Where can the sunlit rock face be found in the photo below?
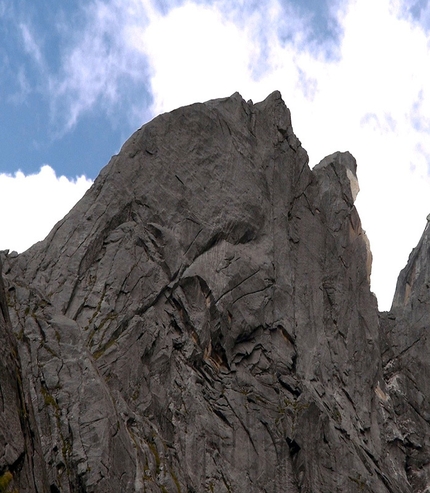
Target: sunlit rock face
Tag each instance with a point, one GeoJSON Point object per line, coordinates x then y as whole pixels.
{"type": "Point", "coordinates": [202, 321]}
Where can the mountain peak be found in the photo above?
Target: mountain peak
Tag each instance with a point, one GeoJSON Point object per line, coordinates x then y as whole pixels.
{"type": "Point", "coordinates": [202, 320]}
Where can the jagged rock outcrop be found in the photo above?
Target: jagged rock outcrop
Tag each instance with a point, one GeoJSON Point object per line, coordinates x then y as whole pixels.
{"type": "Point", "coordinates": [406, 363]}
{"type": "Point", "coordinates": [202, 321]}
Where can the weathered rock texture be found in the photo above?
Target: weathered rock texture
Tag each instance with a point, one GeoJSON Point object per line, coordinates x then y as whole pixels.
{"type": "Point", "coordinates": [21, 465]}
{"type": "Point", "coordinates": [202, 321]}
{"type": "Point", "coordinates": [405, 356]}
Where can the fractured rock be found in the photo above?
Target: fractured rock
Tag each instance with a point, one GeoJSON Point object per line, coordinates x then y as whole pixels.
{"type": "Point", "coordinates": [202, 320]}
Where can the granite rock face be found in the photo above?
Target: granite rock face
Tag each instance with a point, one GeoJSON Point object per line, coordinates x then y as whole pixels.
{"type": "Point", "coordinates": [202, 321]}
{"type": "Point", "coordinates": [406, 363]}
{"type": "Point", "coordinates": [21, 467]}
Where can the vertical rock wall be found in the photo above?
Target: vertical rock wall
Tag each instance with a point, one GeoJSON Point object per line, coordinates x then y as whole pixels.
{"type": "Point", "coordinates": [407, 367]}
{"type": "Point", "coordinates": [21, 468]}
{"type": "Point", "coordinates": [202, 321]}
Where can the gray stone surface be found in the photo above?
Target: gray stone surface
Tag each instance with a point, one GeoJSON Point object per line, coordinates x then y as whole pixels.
{"type": "Point", "coordinates": [407, 366]}
{"type": "Point", "coordinates": [21, 467]}
{"type": "Point", "coordinates": [202, 321]}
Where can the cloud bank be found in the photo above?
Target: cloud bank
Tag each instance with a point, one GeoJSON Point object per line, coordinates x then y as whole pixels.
{"type": "Point", "coordinates": [32, 204]}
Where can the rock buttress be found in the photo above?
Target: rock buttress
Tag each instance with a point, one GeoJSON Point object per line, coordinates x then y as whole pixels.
{"type": "Point", "coordinates": [202, 319]}
{"type": "Point", "coordinates": [406, 347]}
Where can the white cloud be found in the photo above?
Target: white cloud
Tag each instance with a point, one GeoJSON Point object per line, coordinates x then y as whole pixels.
{"type": "Point", "coordinates": [197, 51]}
{"type": "Point", "coordinates": [32, 204]}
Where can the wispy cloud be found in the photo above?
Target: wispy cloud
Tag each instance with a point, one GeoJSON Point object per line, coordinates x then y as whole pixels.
{"type": "Point", "coordinates": [30, 45]}
{"type": "Point", "coordinates": [106, 52]}
{"type": "Point", "coordinates": [99, 67]}
{"type": "Point", "coordinates": [118, 51]}
{"type": "Point", "coordinates": [22, 88]}
{"type": "Point", "coordinates": [416, 10]}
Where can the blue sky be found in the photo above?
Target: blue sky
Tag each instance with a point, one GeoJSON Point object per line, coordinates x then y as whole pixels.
{"type": "Point", "coordinates": [78, 77]}
{"type": "Point", "coordinates": [50, 114]}
{"type": "Point", "coordinates": [37, 41]}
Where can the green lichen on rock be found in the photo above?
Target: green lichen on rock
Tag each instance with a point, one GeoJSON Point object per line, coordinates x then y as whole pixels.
{"type": "Point", "coordinates": [5, 481]}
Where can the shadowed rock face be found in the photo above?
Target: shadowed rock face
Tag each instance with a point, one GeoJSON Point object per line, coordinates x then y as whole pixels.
{"type": "Point", "coordinates": [21, 467]}
{"type": "Point", "coordinates": [405, 357]}
{"type": "Point", "coordinates": [202, 321]}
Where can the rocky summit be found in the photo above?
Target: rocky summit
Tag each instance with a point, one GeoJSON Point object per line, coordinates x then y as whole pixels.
{"type": "Point", "coordinates": [202, 321]}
